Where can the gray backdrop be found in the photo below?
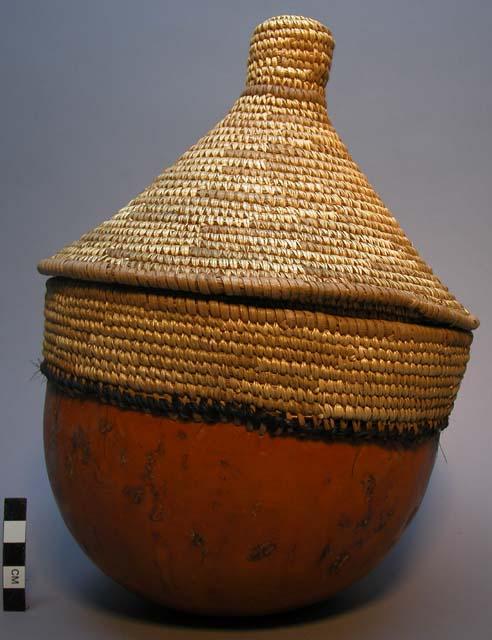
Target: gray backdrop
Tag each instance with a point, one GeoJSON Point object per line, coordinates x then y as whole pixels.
{"type": "Point", "coordinates": [96, 98]}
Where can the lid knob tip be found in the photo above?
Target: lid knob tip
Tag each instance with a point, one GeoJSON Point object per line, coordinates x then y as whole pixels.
{"type": "Point", "coordinates": [291, 51]}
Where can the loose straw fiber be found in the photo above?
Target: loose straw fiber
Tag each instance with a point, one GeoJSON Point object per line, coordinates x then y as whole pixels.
{"type": "Point", "coordinates": [261, 279]}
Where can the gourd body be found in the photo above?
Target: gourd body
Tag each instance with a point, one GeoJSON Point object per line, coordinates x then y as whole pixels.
{"type": "Point", "coordinates": [215, 519]}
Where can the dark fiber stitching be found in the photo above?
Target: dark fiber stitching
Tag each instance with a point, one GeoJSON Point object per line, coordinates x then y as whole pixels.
{"type": "Point", "coordinates": [211, 412]}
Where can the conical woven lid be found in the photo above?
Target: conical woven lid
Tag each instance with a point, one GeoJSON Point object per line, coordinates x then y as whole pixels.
{"type": "Point", "coordinates": [269, 204]}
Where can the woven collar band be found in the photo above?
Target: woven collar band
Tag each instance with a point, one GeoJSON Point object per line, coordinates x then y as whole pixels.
{"type": "Point", "coordinates": [269, 204]}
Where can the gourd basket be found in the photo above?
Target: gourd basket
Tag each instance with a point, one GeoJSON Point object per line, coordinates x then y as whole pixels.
{"type": "Point", "coordinates": [249, 365]}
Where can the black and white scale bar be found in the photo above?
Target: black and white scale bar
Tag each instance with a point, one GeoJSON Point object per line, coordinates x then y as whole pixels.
{"type": "Point", "coordinates": [14, 554]}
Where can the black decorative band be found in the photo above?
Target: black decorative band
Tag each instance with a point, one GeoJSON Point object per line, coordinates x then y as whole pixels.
{"type": "Point", "coordinates": [210, 411]}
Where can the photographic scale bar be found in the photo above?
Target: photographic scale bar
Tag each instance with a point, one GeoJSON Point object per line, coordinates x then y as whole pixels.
{"type": "Point", "coordinates": [14, 554]}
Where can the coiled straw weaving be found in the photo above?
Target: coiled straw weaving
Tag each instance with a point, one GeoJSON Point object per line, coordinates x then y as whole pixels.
{"type": "Point", "coordinates": [261, 279]}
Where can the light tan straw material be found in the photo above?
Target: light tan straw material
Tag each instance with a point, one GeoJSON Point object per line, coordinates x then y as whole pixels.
{"type": "Point", "coordinates": [260, 279]}
{"type": "Point", "coordinates": [269, 204]}
{"type": "Point", "coordinates": [307, 367]}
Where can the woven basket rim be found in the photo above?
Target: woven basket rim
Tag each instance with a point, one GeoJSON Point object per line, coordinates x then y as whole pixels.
{"type": "Point", "coordinates": [280, 289]}
{"type": "Point", "coordinates": [276, 366]}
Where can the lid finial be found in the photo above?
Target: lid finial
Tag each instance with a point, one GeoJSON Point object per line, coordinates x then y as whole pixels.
{"type": "Point", "coordinates": [291, 52]}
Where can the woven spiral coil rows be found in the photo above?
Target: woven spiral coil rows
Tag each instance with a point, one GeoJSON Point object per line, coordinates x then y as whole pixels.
{"type": "Point", "coordinates": [261, 279]}
{"type": "Point", "coordinates": [268, 204]}
{"type": "Point", "coordinates": [307, 368]}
